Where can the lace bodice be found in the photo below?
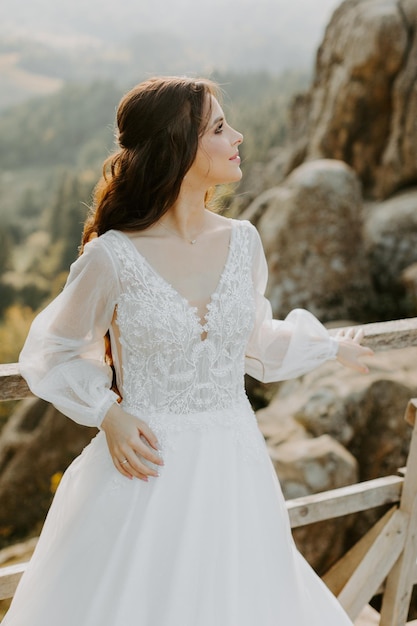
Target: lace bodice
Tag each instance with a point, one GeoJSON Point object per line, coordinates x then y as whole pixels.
{"type": "Point", "coordinates": [162, 362]}
{"type": "Point", "coordinates": [167, 366]}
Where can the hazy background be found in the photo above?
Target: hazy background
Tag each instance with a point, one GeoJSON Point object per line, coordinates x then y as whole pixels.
{"type": "Point", "coordinates": [45, 42]}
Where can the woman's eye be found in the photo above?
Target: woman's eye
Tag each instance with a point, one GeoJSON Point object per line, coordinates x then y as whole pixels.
{"type": "Point", "coordinates": [219, 128]}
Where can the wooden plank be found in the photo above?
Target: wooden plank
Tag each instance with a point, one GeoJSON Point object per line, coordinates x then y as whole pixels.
{"type": "Point", "coordinates": [345, 500]}
{"type": "Point", "coordinates": [12, 385]}
{"type": "Point", "coordinates": [339, 574]}
{"type": "Point", "coordinates": [373, 569]}
{"type": "Point", "coordinates": [368, 617]}
{"type": "Point", "coordinates": [390, 335]}
{"type": "Point", "coordinates": [379, 336]}
{"type": "Point", "coordinates": [9, 578]}
{"type": "Point", "coordinates": [394, 334]}
{"type": "Point", "coordinates": [399, 585]}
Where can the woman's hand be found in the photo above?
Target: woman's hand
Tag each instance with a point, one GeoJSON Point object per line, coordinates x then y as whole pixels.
{"type": "Point", "coordinates": [128, 438]}
{"type": "Point", "coordinates": [350, 350]}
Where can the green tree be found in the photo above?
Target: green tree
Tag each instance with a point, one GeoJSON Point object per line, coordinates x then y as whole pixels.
{"type": "Point", "coordinates": [51, 130]}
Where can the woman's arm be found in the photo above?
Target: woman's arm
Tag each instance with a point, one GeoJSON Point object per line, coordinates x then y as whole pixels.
{"type": "Point", "coordinates": [283, 349]}
{"type": "Point", "coordinates": [63, 361]}
{"type": "Point", "coordinates": [63, 356]}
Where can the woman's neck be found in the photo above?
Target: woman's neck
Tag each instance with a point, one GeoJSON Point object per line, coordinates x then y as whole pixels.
{"type": "Point", "coordinates": [188, 215]}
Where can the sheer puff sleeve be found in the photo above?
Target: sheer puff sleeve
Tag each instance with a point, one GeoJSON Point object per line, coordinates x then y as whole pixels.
{"type": "Point", "coordinates": [282, 349]}
{"type": "Point", "coordinates": [63, 356]}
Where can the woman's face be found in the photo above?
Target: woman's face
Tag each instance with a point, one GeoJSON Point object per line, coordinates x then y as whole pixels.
{"type": "Point", "coordinates": [217, 160]}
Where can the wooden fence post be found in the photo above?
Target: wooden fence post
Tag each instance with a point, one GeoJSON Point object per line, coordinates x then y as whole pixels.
{"type": "Point", "coordinates": [399, 584]}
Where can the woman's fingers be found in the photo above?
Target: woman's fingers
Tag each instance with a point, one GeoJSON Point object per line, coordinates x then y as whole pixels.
{"type": "Point", "coordinates": [142, 448]}
{"type": "Point", "coordinates": [358, 334]}
{"type": "Point", "coordinates": [350, 352]}
{"type": "Point", "coordinates": [367, 351]}
{"type": "Point", "coordinates": [131, 465]}
{"type": "Point", "coordinates": [149, 435]}
{"type": "Point", "coordinates": [130, 460]}
{"type": "Point", "coordinates": [354, 333]}
{"type": "Point", "coordinates": [136, 451]}
{"type": "Point", "coordinates": [125, 469]}
{"type": "Point", "coordinates": [137, 468]}
{"type": "Point", "coordinates": [131, 444]}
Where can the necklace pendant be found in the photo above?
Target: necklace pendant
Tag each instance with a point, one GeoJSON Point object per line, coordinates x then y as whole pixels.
{"type": "Point", "coordinates": [193, 241]}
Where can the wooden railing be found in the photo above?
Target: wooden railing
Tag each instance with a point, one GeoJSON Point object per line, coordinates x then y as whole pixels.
{"type": "Point", "coordinates": [384, 560]}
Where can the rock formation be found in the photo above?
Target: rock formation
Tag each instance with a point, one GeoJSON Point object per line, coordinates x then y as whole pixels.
{"type": "Point", "coordinates": [390, 241]}
{"type": "Point", "coordinates": [360, 111]}
{"type": "Point", "coordinates": [334, 427]}
{"type": "Point", "coordinates": [362, 106]}
{"type": "Point", "coordinates": [36, 446]}
{"type": "Point", "coordinates": [363, 413]}
{"type": "Point", "coordinates": [311, 227]}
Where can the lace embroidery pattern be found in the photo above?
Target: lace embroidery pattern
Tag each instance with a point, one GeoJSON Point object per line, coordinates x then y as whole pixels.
{"type": "Point", "coordinates": [167, 367]}
{"type": "Point", "coordinates": [240, 421]}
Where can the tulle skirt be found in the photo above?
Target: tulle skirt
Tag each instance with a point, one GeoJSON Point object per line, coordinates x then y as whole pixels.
{"type": "Point", "coordinates": [207, 543]}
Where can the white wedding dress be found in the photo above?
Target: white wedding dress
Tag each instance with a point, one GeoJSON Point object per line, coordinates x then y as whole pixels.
{"type": "Point", "coordinates": [208, 542]}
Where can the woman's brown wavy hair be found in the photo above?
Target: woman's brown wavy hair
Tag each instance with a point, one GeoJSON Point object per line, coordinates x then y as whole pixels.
{"type": "Point", "coordinates": [159, 122]}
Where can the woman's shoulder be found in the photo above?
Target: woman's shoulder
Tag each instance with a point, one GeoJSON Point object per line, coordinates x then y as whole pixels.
{"type": "Point", "coordinates": [247, 230]}
{"type": "Point", "coordinates": [232, 222]}
{"type": "Point", "coordinates": [100, 251]}
{"type": "Point", "coordinates": [247, 226]}
{"type": "Point", "coordinates": [243, 232]}
{"type": "Point", "coordinates": [106, 243]}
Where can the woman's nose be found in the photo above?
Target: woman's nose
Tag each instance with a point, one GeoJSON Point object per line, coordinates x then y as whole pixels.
{"type": "Point", "coordinates": [239, 139]}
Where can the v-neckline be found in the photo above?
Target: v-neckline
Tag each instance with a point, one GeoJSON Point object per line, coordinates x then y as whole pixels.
{"type": "Point", "coordinates": [194, 309]}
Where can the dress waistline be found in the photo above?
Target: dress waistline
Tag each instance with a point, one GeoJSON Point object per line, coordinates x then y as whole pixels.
{"type": "Point", "coordinates": [239, 410]}
{"type": "Point", "coordinates": [238, 420]}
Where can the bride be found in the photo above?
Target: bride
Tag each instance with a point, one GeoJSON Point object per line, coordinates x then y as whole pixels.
{"type": "Point", "coordinates": [173, 514]}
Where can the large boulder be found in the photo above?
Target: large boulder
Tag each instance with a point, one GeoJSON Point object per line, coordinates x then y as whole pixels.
{"type": "Point", "coordinates": [311, 228]}
{"type": "Point", "coordinates": [362, 105]}
{"type": "Point", "coordinates": [390, 239]}
{"type": "Point", "coordinates": [313, 465]}
{"type": "Point", "coordinates": [310, 466]}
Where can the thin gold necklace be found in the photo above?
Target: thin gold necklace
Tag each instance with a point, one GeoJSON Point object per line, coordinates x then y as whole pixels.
{"type": "Point", "coordinates": [171, 230]}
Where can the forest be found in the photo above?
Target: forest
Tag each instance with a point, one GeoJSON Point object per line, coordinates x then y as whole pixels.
{"type": "Point", "coordinates": [51, 153]}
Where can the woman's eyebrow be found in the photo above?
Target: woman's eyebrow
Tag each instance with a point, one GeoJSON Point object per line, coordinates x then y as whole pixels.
{"type": "Point", "coordinates": [217, 120]}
